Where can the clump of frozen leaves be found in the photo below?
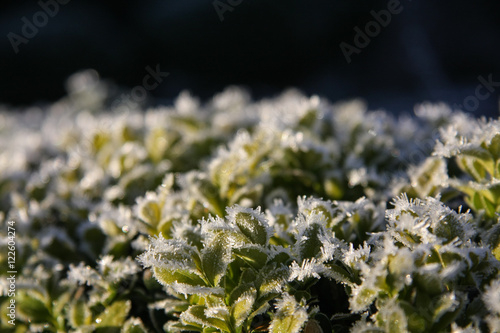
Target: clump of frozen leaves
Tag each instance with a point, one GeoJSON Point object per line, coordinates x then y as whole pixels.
{"type": "Point", "coordinates": [465, 163]}
{"type": "Point", "coordinates": [92, 185]}
{"type": "Point", "coordinates": [424, 272]}
{"type": "Point", "coordinates": [227, 274]}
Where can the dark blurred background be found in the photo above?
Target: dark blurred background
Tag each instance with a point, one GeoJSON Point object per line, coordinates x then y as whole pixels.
{"type": "Point", "coordinates": [430, 50]}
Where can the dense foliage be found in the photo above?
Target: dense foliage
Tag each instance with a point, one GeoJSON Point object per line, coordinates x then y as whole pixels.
{"type": "Point", "coordinates": [284, 215]}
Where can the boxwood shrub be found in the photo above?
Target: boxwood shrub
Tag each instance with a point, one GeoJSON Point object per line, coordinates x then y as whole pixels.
{"type": "Point", "coordinates": [289, 214]}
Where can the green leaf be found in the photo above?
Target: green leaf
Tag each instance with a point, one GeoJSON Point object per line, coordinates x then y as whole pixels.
{"type": "Point", "coordinates": [253, 256]}
{"type": "Point", "coordinates": [445, 303]}
{"type": "Point", "coordinates": [449, 228]}
{"type": "Point", "coordinates": [169, 276]}
{"type": "Point", "coordinates": [281, 258]}
{"type": "Point", "coordinates": [289, 317]}
{"type": "Point", "coordinates": [248, 275]}
{"type": "Point", "coordinates": [392, 318]}
{"type": "Point", "coordinates": [114, 315]}
{"type": "Point", "coordinates": [134, 325]}
{"type": "Point", "coordinates": [184, 327]}
{"type": "Point", "coordinates": [481, 170]}
{"type": "Point", "coordinates": [340, 274]}
{"type": "Point", "coordinates": [32, 307]}
{"type": "Point", "coordinates": [309, 118]}
{"type": "Point", "coordinates": [477, 203]}
{"type": "Point", "coordinates": [333, 188]}
{"type": "Point", "coordinates": [491, 208]}
{"type": "Point", "coordinates": [310, 244]}
{"type": "Point", "coordinates": [494, 241]}
{"type": "Point", "coordinates": [477, 152]}
{"type": "Point", "coordinates": [242, 307]}
{"type": "Point", "coordinates": [60, 303]}
{"type": "Point", "coordinates": [215, 258]}
{"type": "Point", "coordinates": [431, 284]}
{"type": "Point", "coordinates": [494, 147]}
{"type": "Point", "coordinates": [79, 314]}
{"type": "Point", "coordinates": [195, 316]}
{"type": "Point", "coordinates": [210, 194]}
{"type": "Point", "coordinates": [362, 299]}
{"type": "Point", "coordinates": [446, 310]}
{"type": "Point", "coordinates": [150, 212]}
{"type": "Point", "coordinates": [238, 291]}
{"type": "Point", "coordinates": [271, 279]}
{"type": "Point", "coordinates": [252, 227]}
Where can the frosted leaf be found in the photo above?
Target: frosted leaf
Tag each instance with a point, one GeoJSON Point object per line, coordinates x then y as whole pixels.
{"type": "Point", "coordinates": [195, 314]}
{"type": "Point", "coordinates": [358, 219]}
{"type": "Point", "coordinates": [358, 176]}
{"type": "Point", "coordinates": [311, 233]}
{"type": "Point", "coordinates": [364, 326]}
{"type": "Point", "coordinates": [169, 254]}
{"type": "Point", "coordinates": [471, 328]}
{"type": "Point", "coordinates": [169, 305]}
{"type": "Point", "coordinates": [217, 311]}
{"type": "Point", "coordinates": [215, 256]}
{"type": "Point", "coordinates": [185, 230]}
{"type": "Point", "coordinates": [311, 205]}
{"type": "Point", "coordinates": [427, 221]}
{"type": "Point", "coordinates": [491, 297]}
{"type": "Point", "coordinates": [243, 306]}
{"type": "Point", "coordinates": [286, 110]}
{"type": "Point", "coordinates": [290, 316]}
{"type": "Point", "coordinates": [308, 268]}
{"type": "Point", "coordinates": [402, 263]}
{"type": "Point", "coordinates": [493, 323]}
{"type": "Point", "coordinates": [430, 270]}
{"type": "Point", "coordinates": [428, 177]}
{"type": "Point", "coordinates": [278, 207]}
{"type": "Point", "coordinates": [362, 297]}
{"type": "Point", "coordinates": [251, 222]}
{"type": "Point", "coordinates": [231, 109]}
{"type": "Point", "coordinates": [469, 139]}
{"type": "Point", "coordinates": [351, 257]}
{"type": "Point", "coordinates": [230, 99]}
{"type": "Point", "coordinates": [445, 304]}
{"type": "Point", "coordinates": [272, 279]}
{"type": "Point", "coordinates": [213, 225]}
{"type": "Point", "coordinates": [114, 221]}
{"type": "Point", "coordinates": [391, 317]}
{"type": "Point", "coordinates": [435, 113]}
{"type": "Point", "coordinates": [133, 325]}
{"type": "Point", "coordinates": [116, 270]}
{"type": "Point", "coordinates": [188, 289]}
{"type": "Point", "coordinates": [186, 104]}
{"type": "Point", "coordinates": [453, 271]}
{"type": "Point", "coordinates": [302, 142]}
{"type": "Point", "coordinates": [141, 243]}
{"type": "Point", "coordinates": [82, 274]}
{"type": "Point", "coordinates": [330, 248]}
